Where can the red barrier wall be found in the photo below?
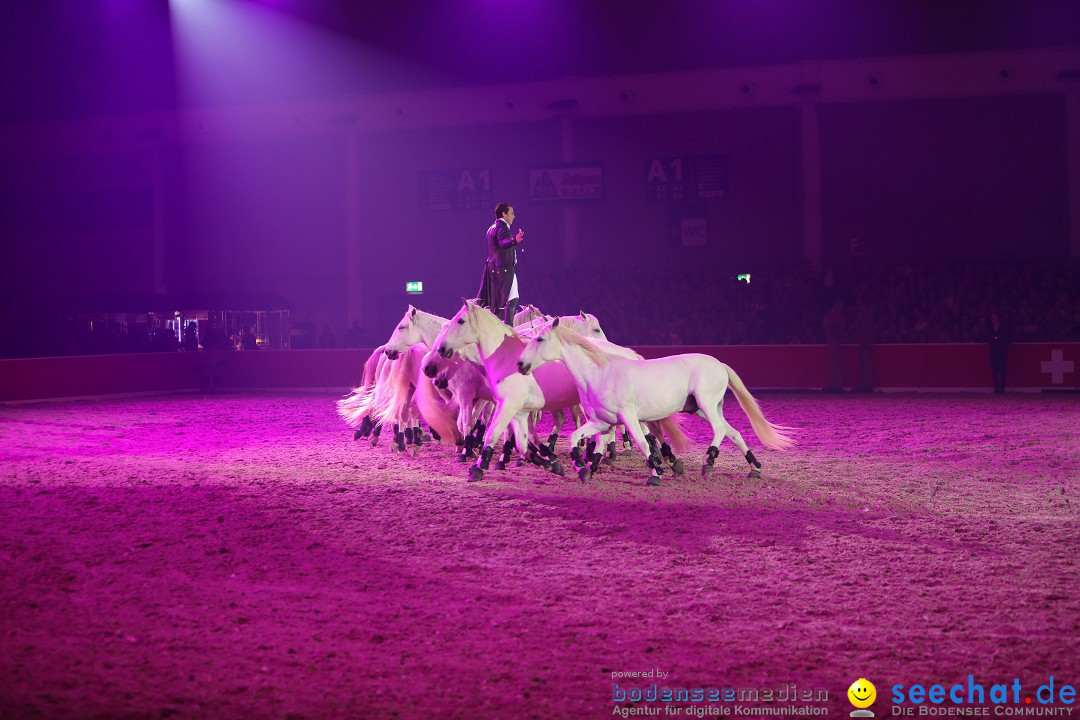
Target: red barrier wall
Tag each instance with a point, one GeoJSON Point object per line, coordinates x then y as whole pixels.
{"type": "Point", "coordinates": [894, 367]}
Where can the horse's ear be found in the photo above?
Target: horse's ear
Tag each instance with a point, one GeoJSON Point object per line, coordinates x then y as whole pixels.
{"type": "Point", "coordinates": [412, 311]}
{"type": "Point", "coordinates": [584, 316]}
{"type": "Point", "coordinates": [555, 323]}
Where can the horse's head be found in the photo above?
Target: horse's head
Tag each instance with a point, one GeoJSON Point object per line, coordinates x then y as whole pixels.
{"type": "Point", "coordinates": [405, 335]}
{"type": "Point", "coordinates": [543, 347]}
{"type": "Point", "coordinates": [431, 363]}
{"type": "Point", "coordinates": [592, 327]}
{"type": "Point", "coordinates": [459, 331]}
{"type": "Point", "coordinates": [527, 314]}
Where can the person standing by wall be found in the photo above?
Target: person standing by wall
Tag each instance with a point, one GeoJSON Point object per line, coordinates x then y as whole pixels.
{"type": "Point", "coordinates": [499, 287]}
{"type": "Point", "coordinates": [998, 340]}
{"type": "Point", "coordinates": [834, 324]}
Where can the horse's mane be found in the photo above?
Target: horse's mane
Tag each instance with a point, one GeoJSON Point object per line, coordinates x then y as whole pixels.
{"type": "Point", "coordinates": [569, 337]}
{"type": "Point", "coordinates": [432, 316]}
{"type": "Point", "coordinates": [491, 318]}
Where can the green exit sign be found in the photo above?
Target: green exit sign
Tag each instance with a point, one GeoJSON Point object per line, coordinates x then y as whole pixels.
{"type": "Point", "coordinates": [414, 288]}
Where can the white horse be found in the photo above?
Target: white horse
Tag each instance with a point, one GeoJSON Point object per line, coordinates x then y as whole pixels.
{"type": "Point", "coordinates": [527, 314]}
{"type": "Point", "coordinates": [358, 406]}
{"type": "Point", "coordinates": [583, 323]}
{"type": "Point", "coordinates": [615, 389]}
{"type": "Point", "coordinates": [464, 377]}
{"type": "Point", "coordinates": [397, 392]}
{"type": "Point", "coordinates": [515, 395]}
{"type": "Point", "coordinates": [469, 353]}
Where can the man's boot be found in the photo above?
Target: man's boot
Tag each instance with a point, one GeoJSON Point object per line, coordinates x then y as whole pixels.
{"type": "Point", "coordinates": [511, 311]}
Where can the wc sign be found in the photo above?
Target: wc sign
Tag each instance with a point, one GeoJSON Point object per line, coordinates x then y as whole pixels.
{"type": "Point", "coordinates": [694, 231]}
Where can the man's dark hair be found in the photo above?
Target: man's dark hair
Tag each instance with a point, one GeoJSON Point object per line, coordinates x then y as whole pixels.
{"type": "Point", "coordinates": [501, 209]}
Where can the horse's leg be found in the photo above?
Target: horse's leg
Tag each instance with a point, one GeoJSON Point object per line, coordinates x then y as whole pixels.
{"type": "Point", "coordinates": [579, 453]}
{"type": "Point", "coordinates": [473, 438]}
{"type": "Point", "coordinates": [665, 449]}
{"type": "Point", "coordinates": [654, 462]}
{"type": "Point", "coordinates": [466, 411]}
{"type": "Point", "coordinates": [534, 452]}
{"type": "Point", "coordinates": [558, 418]}
{"type": "Point", "coordinates": [737, 438]}
{"type": "Point", "coordinates": [609, 446]}
{"type": "Point", "coordinates": [418, 436]}
{"type": "Point", "coordinates": [507, 447]}
{"type": "Point", "coordinates": [714, 413]}
{"type": "Point", "coordinates": [504, 411]}
{"type": "Point", "coordinates": [654, 443]}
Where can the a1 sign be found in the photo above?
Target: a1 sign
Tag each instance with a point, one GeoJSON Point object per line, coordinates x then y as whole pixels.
{"type": "Point", "coordinates": [468, 189]}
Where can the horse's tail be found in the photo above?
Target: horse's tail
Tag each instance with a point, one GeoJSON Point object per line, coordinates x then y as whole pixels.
{"type": "Point", "coordinates": [435, 412]}
{"type": "Point", "coordinates": [672, 427]}
{"type": "Point", "coordinates": [371, 366]}
{"type": "Point", "coordinates": [396, 391]}
{"type": "Point", "coordinates": [353, 407]}
{"type": "Point", "coordinates": [772, 436]}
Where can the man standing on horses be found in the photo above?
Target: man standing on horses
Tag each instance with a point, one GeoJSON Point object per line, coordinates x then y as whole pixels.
{"type": "Point", "coordinates": [499, 288]}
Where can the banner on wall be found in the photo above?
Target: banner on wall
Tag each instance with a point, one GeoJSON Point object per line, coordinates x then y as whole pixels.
{"type": "Point", "coordinates": [566, 183]}
{"type": "Point", "coordinates": [698, 177]}
{"type": "Point", "coordinates": [456, 190]}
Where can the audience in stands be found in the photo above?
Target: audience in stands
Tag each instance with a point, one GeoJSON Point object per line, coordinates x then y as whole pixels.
{"type": "Point", "coordinates": [882, 302]}
{"type": "Point", "coordinates": [876, 302]}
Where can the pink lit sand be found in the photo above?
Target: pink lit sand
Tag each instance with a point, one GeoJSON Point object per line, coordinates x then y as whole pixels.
{"type": "Point", "coordinates": [240, 556]}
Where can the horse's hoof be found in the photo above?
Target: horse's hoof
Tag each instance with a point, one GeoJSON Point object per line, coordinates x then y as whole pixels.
{"type": "Point", "coordinates": [460, 458]}
{"type": "Point", "coordinates": [754, 473]}
{"type": "Point", "coordinates": [678, 468]}
{"type": "Point", "coordinates": [357, 435]}
{"type": "Point", "coordinates": [414, 449]}
{"type": "Point", "coordinates": [520, 462]}
{"type": "Point", "coordinates": [585, 474]}
{"type": "Point", "coordinates": [653, 481]}
{"type": "Point", "coordinates": [707, 470]}
{"type": "Point", "coordinates": [374, 440]}
{"type": "Point", "coordinates": [430, 438]}
{"type": "Point", "coordinates": [475, 474]}
{"type": "Point", "coordinates": [557, 468]}
{"type": "Point", "coordinates": [608, 460]}
{"type": "Point", "coordinates": [500, 465]}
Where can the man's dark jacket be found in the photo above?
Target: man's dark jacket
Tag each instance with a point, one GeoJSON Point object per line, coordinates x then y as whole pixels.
{"type": "Point", "coordinates": [500, 267]}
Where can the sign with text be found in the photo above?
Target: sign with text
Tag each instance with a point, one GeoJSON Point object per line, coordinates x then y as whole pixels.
{"type": "Point", "coordinates": [566, 183]}
{"type": "Point", "coordinates": [456, 190]}
{"type": "Point", "coordinates": [700, 177]}
{"type": "Point", "coordinates": [688, 224]}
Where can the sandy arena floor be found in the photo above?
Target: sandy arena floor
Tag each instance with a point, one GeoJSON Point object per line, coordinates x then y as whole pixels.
{"type": "Point", "coordinates": [240, 556]}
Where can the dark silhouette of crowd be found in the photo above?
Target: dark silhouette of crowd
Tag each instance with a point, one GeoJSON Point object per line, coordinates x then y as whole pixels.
{"type": "Point", "coordinates": [863, 302]}
{"type": "Point", "coordinates": [858, 303]}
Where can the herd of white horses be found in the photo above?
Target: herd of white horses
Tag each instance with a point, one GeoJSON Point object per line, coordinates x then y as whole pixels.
{"type": "Point", "coordinates": [474, 380]}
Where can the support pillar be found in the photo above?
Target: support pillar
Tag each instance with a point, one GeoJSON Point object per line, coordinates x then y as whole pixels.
{"type": "Point", "coordinates": [811, 186]}
{"type": "Point", "coordinates": [570, 211]}
{"type": "Point", "coordinates": [1072, 121]}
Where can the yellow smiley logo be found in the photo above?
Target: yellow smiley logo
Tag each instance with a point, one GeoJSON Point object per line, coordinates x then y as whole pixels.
{"type": "Point", "coordinates": [862, 693]}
